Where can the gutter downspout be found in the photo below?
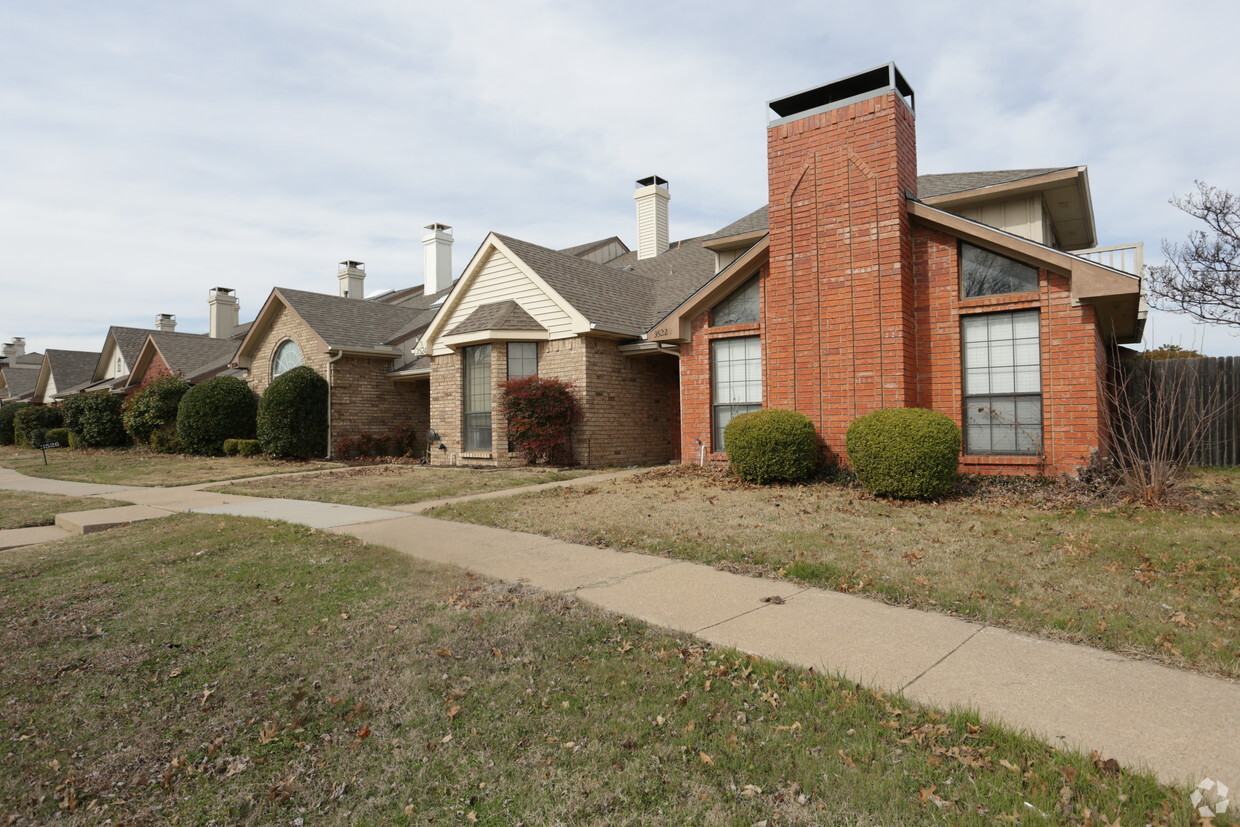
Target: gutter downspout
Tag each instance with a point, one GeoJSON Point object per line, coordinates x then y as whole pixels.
{"type": "Point", "coordinates": [339, 354]}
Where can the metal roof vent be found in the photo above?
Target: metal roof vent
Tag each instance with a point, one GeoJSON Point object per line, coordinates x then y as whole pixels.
{"type": "Point", "coordinates": [842, 92]}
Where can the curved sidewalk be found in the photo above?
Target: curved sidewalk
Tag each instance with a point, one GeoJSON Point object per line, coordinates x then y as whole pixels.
{"type": "Point", "coordinates": [1181, 725]}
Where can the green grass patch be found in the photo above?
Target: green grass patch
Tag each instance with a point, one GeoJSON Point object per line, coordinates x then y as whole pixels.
{"type": "Point", "coordinates": [133, 466]}
{"type": "Point", "coordinates": [1021, 554]}
{"type": "Point", "coordinates": [25, 509]}
{"type": "Point", "coordinates": [386, 485]}
{"type": "Point", "coordinates": [210, 669]}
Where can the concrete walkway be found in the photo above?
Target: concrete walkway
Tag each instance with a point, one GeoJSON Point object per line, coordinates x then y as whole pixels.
{"type": "Point", "coordinates": [1181, 725]}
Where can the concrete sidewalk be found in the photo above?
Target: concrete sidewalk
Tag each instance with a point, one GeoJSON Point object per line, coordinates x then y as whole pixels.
{"type": "Point", "coordinates": [1180, 725]}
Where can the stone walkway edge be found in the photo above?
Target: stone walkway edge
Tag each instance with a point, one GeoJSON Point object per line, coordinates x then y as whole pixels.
{"type": "Point", "coordinates": [1180, 725]}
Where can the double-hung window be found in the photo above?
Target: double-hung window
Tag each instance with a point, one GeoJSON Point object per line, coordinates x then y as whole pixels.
{"type": "Point", "coordinates": [735, 381]}
{"type": "Point", "coordinates": [476, 397]}
{"type": "Point", "coordinates": [1002, 383]}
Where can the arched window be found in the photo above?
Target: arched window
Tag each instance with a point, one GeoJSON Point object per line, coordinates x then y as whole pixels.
{"type": "Point", "coordinates": [288, 356]}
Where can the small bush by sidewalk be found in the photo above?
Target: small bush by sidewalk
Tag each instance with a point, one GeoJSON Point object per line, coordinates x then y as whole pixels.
{"type": "Point", "coordinates": [905, 453]}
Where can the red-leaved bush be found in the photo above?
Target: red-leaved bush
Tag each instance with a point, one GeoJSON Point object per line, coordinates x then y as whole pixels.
{"type": "Point", "coordinates": [540, 416]}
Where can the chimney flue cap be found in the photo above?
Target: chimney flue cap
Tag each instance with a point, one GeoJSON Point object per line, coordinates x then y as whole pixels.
{"type": "Point", "coordinates": [438, 228]}
{"type": "Point", "coordinates": [652, 181]}
{"type": "Point", "coordinates": [345, 266]}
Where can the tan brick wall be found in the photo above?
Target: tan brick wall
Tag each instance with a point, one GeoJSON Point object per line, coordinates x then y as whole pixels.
{"type": "Point", "coordinates": [630, 406]}
{"type": "Point", "coordinates": [286, 326]}
{"type": "Point", "coordinates": [364, 399]}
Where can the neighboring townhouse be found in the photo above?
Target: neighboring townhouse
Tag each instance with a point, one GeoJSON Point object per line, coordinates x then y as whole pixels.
{"type": "Point", "coordinates": [363, 347]}
{"type": "Point", "coordinates": [19, 371]}
{"type": "Point", "coordinates": [192, 356]}
{"type": "Point", "coordinates": [859, 286]}
{"type": "Point", "coordinates": [120, 351]}
{"type": "Point", "coordinates": [62, 369]}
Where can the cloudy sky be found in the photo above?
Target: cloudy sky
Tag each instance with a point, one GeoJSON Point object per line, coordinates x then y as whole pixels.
{"type": "Point", "coordinates": [152, 150]}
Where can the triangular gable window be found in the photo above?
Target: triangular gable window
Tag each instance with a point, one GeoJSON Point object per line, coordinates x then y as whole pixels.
{"type": "Point", "coordinates": [741, 307]}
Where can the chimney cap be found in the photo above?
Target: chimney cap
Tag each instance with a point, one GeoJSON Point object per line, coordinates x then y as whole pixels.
{"type": "Point", "coordinates": [352, 265]}
{"type": "Point", "coordinates": [222, 290]}
{"type": "Point", "coordinates": [165, 316]}
{"type": "Point", "coordinates": [438, 227]}
{"type": "Point", "coordinates": [653, 181]}
{"type": "Point", "coordinates": [842, 92]}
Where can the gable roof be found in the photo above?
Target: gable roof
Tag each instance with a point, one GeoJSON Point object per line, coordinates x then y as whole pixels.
{"type": "Point", "coordinates": [20, 382]}
{"type": "Point", "coordinates": [66, 368]}
{"type": "Point", "coordinates": [128, 340]}
{"type": "Point", "coordinates": [189, 354]}
{"type": "Point", "coordinates": [503, 315]}
{"type": "Point", "coordinates": [339, 323]}
{"type": "Point", "coordinates": [613, 299]}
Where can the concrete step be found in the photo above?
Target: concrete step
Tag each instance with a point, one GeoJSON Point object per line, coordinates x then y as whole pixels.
{"type": "Point", "coordinates": [101, 519]}
{"type": "Point", "coordinates": [18, 537]}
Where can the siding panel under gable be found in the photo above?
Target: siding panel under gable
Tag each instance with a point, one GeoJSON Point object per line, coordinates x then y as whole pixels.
{"type": "Point", "coordinates": [1019, 216]}
{"type": "Point", "coordinates": [500, 279]}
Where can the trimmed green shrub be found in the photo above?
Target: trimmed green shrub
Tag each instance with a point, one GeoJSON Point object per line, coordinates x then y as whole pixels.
{"type": "Point", "coordinates": [7, 412]}
{"type": "Point", "coordinates": [771, 445]}
{"type": "Point", "coordinates": [540, 416]}
{"type": "Point", "coordinates": [905, 453]}
{"type": "Point", "coordinates": [61, 436]}
{"type": "Point", "coordinates": [220, 408]}
{"type": "Point", "coordinates": [292, 415]}
{"type": "Point", "coordinates": [230, 447]}
{"type": "Point", "coordinates": [75, 444]}
{"type": "Point", "coordinates": [35, 418]}
{"type": "Point", "coordinates": [249, 447]}
{"type": "Point", "coordinates": [95, 418]}
{"type": "Point", "coordinates": [152, 408]}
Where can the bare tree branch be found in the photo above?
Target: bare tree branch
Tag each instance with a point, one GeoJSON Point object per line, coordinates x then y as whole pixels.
{"type": "Point", "coordinates": [1202, 275]}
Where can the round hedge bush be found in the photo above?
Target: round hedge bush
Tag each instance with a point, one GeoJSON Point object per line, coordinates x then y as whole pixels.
{"type": "Point", "coordinates": [292, 415]}
{"type": "Point", "coordinates": [220, 408]}
{"type": "Point", "coordinates": [771, 446]}
{"type": "Point", "coordinates": [7, 413]}
{"type": "Point", "coordinates": [95, 418]}
{"type": "Point", "coordinates": [905, 453]}
{"type": "Point", "coordinates": [153, 408]}
{"type": "Point", "coordinates": [35, 418]}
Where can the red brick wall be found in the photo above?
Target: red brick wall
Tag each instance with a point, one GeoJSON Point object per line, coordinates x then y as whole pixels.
{"type": "Point", "coordinates": [156, 369]}
{"type": "Point", "coordinates": [1072, 354]}
{"type": "Point", "coordinates": [695, 373]}
{"type": "Point", "coordinates": [838, 337]}
{"type": "Point", "coordinates": [862, 310]}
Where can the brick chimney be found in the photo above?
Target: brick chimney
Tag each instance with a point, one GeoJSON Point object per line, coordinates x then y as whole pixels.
{"type": "Point", "coordinates": [838, 300]}
{"type": "Point", "coordinates": [352, 276]}
{"type": "Point", "coordinates": [652, 195]}
{"type": "Point", "coordinates": [166, 323]}
{"type": "Point", "coordinates": [437, 258]}
{"type": "Point", "coordinates": [224, 312]}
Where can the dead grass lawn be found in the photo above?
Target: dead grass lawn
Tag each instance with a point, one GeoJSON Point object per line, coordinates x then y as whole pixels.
{"type": "Point", "coordinates": [1164, 584]}
{"type": "Point", "coordinates": [23, 509]}
{"type": "Point", "coordinates": [124, 466]}
{"type": "Point", "coordinates": [386, 485]}
{"type": "Point", "coordinates": [204, 669]}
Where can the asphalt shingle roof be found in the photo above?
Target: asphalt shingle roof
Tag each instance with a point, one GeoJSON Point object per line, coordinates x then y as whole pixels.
{"type": "Point", "coordinates": [129, 340]}
{"type": "Point", "coordinates": [20, 381]}
{"type": "Point", "coordinates": [349, 323]}
{"type": "Point", "coordinates": [932, 186]}
{"type": "Point", "coordinates": [71, 367]}
{"type": "Point", "coordinates": [504, 315]}
{"type": "Point", "coordinates": [190, 354]}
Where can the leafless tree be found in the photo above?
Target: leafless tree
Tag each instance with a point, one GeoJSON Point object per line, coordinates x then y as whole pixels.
{"type": "Point", "coordinates": [1202, 275]}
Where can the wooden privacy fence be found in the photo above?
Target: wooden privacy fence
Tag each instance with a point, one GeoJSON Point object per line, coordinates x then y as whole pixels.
{"type": "Point", "coordinates": [1186, 401]}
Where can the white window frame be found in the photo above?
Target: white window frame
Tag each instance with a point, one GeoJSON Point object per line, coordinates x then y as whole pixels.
{"type": "Point", "coordinates": [735, 381]}
{"type": "Point", "coordinates": [1001, 380]}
